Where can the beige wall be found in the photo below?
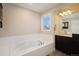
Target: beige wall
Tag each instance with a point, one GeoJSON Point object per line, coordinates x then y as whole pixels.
{"type": "Point", "coordinates": [19, 21]}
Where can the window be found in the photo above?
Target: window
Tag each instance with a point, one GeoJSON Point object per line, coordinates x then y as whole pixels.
{"type": "Point", "coordinates": [46, 23]}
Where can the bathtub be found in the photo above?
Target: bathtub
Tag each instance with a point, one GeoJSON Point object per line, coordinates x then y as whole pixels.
{"type": "Point", "coordinates": [27, 45]}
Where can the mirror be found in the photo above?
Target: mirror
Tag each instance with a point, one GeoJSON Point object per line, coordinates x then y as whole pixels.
{"type": "Point", "coordinates": [73, 22]}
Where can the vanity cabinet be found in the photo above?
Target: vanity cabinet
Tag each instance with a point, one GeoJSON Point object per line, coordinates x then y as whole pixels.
{"type": "Point", "coordinates": [68, 45]}
{"type": "Point", "coordinates": [75, 44]}
{"type": "Point", "coordinates": [63, 43]}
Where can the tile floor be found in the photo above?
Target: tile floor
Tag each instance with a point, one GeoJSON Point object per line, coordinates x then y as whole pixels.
{"type": "Point", "coordinates": [57, 53]}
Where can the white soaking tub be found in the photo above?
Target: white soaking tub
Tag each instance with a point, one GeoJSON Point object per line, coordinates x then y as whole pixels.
{"type": "Point", "coordinates": [28, 45]}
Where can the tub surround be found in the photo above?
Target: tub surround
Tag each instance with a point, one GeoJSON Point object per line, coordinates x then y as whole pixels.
{"type": "Point", "coordinates": [43, 50]}
{"type": "Point", "coordinates": [10, 45]}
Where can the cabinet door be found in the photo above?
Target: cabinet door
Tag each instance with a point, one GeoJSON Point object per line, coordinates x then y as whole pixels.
{"type": "Point", "coordinates": [75, 44]}
{"type": "Point", "coordinates": [63, 44]}
{"type": "Point", "coordinates": [66, 44]}
{"type": "Point", "coordinates": [75, 47]}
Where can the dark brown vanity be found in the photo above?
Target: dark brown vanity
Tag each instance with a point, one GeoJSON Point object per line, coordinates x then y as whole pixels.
{"type": "Point", "coordinates": [68, 45]}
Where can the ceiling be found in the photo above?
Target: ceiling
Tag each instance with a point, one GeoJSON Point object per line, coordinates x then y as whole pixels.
{"type": "Point", "coordinates": [37, 7]}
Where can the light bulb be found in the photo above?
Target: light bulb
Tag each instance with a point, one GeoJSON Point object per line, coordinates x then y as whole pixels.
{"type": "Point", "coordinates": [69, 12]}
{"type": "Point", "coordinates": [64, 13]}
{"type": "Point", "coordinates": [61, 14]}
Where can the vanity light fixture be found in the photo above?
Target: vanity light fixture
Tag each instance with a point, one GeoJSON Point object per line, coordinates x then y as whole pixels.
{"type": "Point", "coordinates": [65, 13]}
